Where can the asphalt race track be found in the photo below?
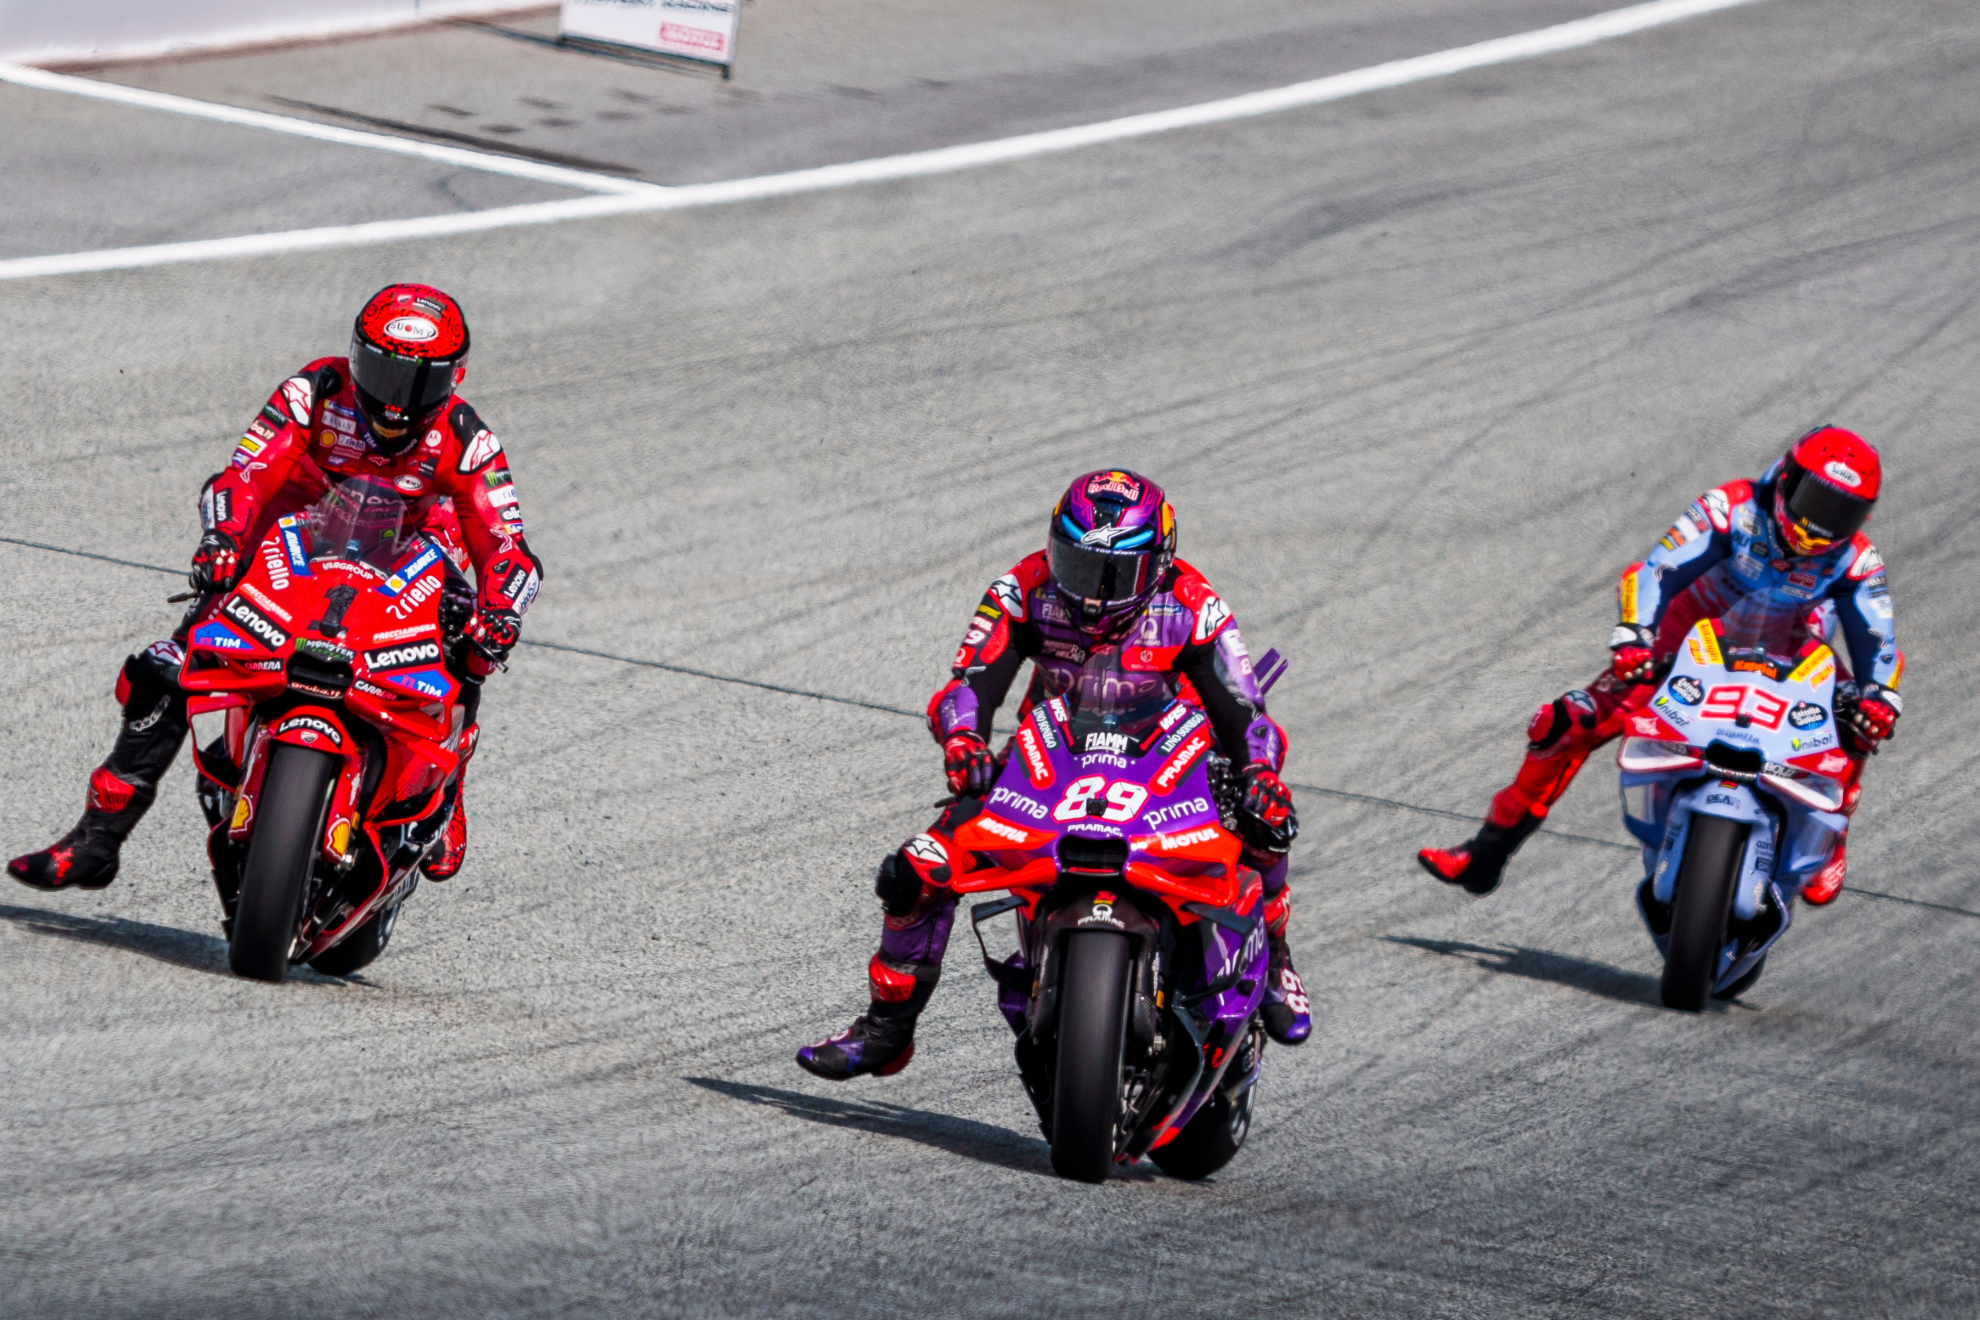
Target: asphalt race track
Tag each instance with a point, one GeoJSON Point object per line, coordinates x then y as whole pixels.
{"type": "Point", "coordinates": [1421, 369]}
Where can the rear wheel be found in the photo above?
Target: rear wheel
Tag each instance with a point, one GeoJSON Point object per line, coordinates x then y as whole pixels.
{"type": "Point", "coordinates": [1207, 1143]}
{"type": "Point", "coordinates": [1713, 850]}
{"type": "Point", "coordinates": [1086, 1091]}
{"type": "Point", "coordinates": [359, 949]}
{"type": "Point", "coordinates": [295, 796]}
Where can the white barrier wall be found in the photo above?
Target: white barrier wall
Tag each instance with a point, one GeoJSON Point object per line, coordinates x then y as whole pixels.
{"type": "Point", "coordinates": [45, 31]}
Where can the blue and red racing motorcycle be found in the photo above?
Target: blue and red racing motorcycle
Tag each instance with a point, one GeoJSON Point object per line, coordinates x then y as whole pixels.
{"type": "Point", "coordinates": [1733, 782]}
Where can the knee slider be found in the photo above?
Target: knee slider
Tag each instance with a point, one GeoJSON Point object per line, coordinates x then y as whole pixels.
{"type": "Point", "coordinates": [897, 886]}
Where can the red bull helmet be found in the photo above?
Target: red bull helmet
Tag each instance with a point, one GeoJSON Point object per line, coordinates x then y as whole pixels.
{"type": "Point", "coordinates": [1112, 540]}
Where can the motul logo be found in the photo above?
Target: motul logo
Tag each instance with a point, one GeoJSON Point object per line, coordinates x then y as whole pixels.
{"type": "Point", "coordinates": [1189, 838]}
{"type": "Point", "coordinates": [992, 825]}
{"type": "Point", "coordinates": [398, 657]}
{"type": "Point", "coordinates": [1035, 762]}
{"type": "Point", "coordinates": [1177, 766]}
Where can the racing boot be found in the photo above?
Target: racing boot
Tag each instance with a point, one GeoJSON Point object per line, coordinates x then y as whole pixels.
{"type": "Point", "coordinates": [86, 857]}
{"type": "Point", "coordinates": [880, 1041]}
{"type": "Point", "coordinates": [1478, 863]}
{"type": "Point", "coordinates": [1287, 1014]}
{"type": "Point", "coordinates": [122, 789]}
{"type": "Point", "coordinates": [1821, 888]}
{"type": "Point", "coordinates": [446, 864]}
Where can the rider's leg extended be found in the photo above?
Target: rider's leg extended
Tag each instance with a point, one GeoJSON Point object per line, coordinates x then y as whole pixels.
{"type": "Point", "coordinates": [1825, 884]}
{"type": "Point", "coordinates": [920, 910]}
{"type": "Point", "coordinates": [1559, 738]}
{"type": "Point", "coordinates": [1288, 1016]}
{"type": "Point", "coordinates": [445, 861]}
{"type": "Point", "coordinates": [122, 789]}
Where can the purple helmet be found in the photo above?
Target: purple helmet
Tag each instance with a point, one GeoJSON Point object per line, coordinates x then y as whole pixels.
{"type": "Point", "coordinates": [1113, 538]}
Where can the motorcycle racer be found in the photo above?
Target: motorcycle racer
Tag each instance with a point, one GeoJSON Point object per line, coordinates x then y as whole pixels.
{"type": "Point", "coordinates": [1794, 536]}
{"type": "Point", "coordinates": [1108, 578]}
{"type": "Point", "coordinates": [388, 410]}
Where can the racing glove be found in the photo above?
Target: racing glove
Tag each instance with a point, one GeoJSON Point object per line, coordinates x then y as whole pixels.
{"type": "Point", "coordinates": [967, 762]}
{"type": "Point", "coordinates": [216, 563]}
{"type": "Point", "coordinates": [1872, 717]}
{"type": "Point", "coordinates": [1268, 807]}
{"type": "Point", "coordinates": [1634, 661]}
{"type": "Point", "coordinates": [494, 631]}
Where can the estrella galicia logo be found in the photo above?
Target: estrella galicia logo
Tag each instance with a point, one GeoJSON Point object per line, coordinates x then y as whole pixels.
{"type": "Point", "coordinates": [401, 657]}
{"type": "Point", "coordinates": [1807, 715]}
{"type": "Point", "coordinates": [1687, 689]}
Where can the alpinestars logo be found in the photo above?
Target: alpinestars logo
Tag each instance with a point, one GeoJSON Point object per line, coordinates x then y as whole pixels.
{"type": "Point", "coordinates": [401, 657]}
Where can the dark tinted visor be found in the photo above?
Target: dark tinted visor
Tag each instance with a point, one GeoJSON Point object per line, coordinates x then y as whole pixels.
{"type": "Point", "coordinates": [1826, 511]}
{"type": "Point", "coordinates": [413, 387]}
{"type": "Point", "coordinates": [1093, 574]}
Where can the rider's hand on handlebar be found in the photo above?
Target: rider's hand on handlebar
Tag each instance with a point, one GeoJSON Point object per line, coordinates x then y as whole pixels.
{"type": "Point", "coordinates": [494, 631]}
{"type": "Point", "coordinates": [216, 564]}
{"type": "Point", "coordinates": [1871, 719]}
{"type": "Point", "coordinates": [1634, 661]}
{"type": "Point", "coordinates": [967, 762]}
{"type": "Point", "coordinates": [1268, 802]}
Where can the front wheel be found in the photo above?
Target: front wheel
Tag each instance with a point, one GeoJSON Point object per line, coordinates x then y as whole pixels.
{"type": "Point", "coordinates": [1713, 850]}
{"type": "Point", "coordinates": [295, 796]}
{"type": "Point", "coordinates": [1086, 1092]}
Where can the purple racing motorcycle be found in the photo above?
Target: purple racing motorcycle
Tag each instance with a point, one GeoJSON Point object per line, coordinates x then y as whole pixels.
{"type": "Point", "coordinates": [1141, 962]}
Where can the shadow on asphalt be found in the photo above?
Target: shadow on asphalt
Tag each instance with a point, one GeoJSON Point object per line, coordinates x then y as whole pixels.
{"type": "Point", "coordinates": [167, 944]}
{"type": "Point", "coordinates": [1539, 965]}
{"type": "Point", "coordinates": [957, 1136]}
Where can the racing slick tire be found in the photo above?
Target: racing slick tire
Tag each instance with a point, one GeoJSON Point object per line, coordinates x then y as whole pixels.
{"type": "Point", "coordinates": [1086, 1088]}
{"type": "Point", "coordinates": [295, 797]}
{"type": "Point", "coordinates": [1713, 850]}
{"type": "Point", "coordinates": [1210, 1139]}
{"type": "Point", "coordinates": [359, 949]}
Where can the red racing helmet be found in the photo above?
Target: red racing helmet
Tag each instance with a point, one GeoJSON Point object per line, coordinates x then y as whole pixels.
{"type": "Point", "coordinates": [409, 349]}
{"type": "Point", "coordinates": [1828, 483]}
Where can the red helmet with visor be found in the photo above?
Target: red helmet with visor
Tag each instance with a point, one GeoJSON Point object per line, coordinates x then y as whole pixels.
{"type": "Point", "coordinates": [1828, 483]}
{"type": "Point", "coordinates": [408, 350]}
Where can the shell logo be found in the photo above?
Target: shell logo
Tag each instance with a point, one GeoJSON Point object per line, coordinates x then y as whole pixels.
{"type": "Point", "coordinates": [242, 810]}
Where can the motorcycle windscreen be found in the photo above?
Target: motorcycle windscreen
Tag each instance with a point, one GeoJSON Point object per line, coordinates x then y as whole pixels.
{"type": "Point", "coordinates": [1105, 697]}
{"type": "Point", "coordinates": [362, 519]}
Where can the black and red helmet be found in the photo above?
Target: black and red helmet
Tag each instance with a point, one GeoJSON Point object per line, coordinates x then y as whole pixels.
{"type": "Point", "coordinates": [408, 350]}
{"type": "Point", "coordinates": [1828, 483]}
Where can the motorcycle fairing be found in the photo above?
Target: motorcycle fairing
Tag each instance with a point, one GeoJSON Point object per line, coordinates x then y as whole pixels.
{"type": "Point", "coordinates": [374, 633]}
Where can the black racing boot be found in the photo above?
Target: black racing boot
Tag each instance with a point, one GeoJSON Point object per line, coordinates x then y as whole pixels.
{"type": "Point", "coordinates": [1287, 1014]}
{"type": "Point", "coordinates": [880, 1041]}
{"type": "Point", "coordinates": [121, 790]}
{"type": "Point", "coordinates": [1479, 862]}
{"type": "Point", "coordinates": [86, 857]}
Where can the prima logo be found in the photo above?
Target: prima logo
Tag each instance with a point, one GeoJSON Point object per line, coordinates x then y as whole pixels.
{"type": "Point", "coordinates": [1161, 816]}
{"type": "Point", "coordinates": [1004, 797]}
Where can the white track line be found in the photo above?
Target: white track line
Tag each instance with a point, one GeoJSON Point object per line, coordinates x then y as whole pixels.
{"type": "Point", "coordinates": [584, 180]}
{"type": "Point", "coordinates": [1501, 50]}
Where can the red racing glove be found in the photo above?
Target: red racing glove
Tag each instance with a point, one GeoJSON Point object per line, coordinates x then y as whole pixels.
{"type": "Point", "coordinates": [967, 762]}
{"type": "Point", "coordinates": [1268, 801]}
{"type": "Point", "coordinates": [1633, 661]}
{"type": "Point", "coordinates": [494, 631]}
{"type": "Point", "coordinates": [216, 564]}
{"type": "Point", "coordinates": [1872, 719]}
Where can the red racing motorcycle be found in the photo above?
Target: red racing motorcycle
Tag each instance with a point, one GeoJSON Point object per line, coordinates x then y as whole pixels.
{"type": "Point", "coordinates": [339, 763]}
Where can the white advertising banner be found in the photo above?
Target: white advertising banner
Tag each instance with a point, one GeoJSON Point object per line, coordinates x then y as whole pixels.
{"type": "Point", "coordinates": [692, 29]}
